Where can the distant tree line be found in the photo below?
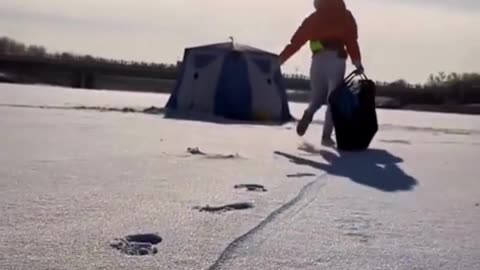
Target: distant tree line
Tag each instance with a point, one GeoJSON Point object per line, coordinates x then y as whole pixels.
{"type": "Point", "coordinates": [9, 46]}
{"type": "Point", "coordinates": [441, 88]}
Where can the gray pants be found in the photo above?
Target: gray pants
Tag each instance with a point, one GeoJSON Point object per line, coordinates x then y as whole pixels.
{"type": "Point", "coordinates": [326, 73]}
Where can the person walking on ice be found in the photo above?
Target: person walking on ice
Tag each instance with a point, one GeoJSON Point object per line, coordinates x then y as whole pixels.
{"type": "Point", "coordinates": [332, 33]}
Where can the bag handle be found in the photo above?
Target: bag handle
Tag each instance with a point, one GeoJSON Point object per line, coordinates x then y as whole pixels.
{"type": "Point", "coordinates": [352, 76]}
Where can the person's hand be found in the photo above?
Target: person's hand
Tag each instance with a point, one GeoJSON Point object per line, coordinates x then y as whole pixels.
{"type": "Point", "coordinates": [359, 68]}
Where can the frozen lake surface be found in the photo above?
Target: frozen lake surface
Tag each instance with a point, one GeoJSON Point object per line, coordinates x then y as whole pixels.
{"type": "Point", "coordinates": [72, 180]}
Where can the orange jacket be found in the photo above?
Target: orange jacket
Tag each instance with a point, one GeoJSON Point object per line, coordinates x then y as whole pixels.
{"type": "Point", "coordinates": [332, 22]}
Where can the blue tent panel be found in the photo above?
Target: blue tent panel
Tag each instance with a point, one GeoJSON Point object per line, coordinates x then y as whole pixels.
{"type": "Point", "coordinates": [233, 98]}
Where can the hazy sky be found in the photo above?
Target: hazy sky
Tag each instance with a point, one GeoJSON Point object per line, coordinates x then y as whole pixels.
{"type": "Point", "coordinates": [399, 38]}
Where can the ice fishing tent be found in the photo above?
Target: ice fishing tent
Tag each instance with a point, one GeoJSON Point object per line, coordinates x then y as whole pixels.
{"type": "Point", "coordinates": [233, 81]}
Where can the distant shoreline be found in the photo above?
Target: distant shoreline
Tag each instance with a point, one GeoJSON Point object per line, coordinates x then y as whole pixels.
{"type": "Point", "coordinates": [299, 96]}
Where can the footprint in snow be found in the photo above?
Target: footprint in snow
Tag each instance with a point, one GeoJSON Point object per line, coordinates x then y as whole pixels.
{"type": "Point", "coordinates": [137, 244]}
{"type": "Point", "coordinates": [251, 187]}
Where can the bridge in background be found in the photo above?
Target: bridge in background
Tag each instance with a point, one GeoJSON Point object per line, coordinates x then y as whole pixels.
{"type": "Point", "coordinates": [83, 73]}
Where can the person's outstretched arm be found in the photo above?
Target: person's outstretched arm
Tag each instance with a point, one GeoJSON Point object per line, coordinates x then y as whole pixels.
{"type": "Point", "coordinates": [299, 38]}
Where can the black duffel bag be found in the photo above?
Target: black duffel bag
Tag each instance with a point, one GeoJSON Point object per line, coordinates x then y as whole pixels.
{"type": "Point", "coordinates": [354, 114]}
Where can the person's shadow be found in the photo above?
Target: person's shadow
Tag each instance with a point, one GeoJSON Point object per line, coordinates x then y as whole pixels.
{"type": "Point", "coordinates": [374, 168]}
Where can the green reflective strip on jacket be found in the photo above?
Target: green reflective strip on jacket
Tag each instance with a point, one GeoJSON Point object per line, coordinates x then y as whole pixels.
{"type": "Point", "coordinates": [316, 46]}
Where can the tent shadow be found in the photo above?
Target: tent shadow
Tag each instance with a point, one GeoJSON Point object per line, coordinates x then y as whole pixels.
{"type": "Point", "coordinates": [373, 168]}
{"type": "Point", "coordinates": [209, 118]}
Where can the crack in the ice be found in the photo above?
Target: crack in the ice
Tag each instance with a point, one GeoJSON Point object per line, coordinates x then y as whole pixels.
{"type": "Point", "coordinates": [230, 251]}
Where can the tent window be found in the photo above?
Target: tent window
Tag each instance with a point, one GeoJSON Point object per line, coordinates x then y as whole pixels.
{"type": "Point", "coordinates": [263, 64]}
{"type": "Point", "coordinates": [203, 60]}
